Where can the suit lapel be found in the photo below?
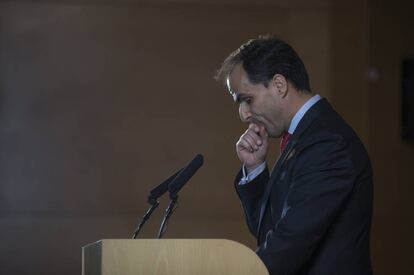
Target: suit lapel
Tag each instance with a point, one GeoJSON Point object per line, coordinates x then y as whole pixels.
{"type": "Point", "coordinates": [305, 122]}
{"type": "Point", "coordinates": [275, 171]}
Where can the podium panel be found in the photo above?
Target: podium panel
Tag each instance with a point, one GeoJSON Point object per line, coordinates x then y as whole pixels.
{"type": "Point", "coordinates": [170, 256]}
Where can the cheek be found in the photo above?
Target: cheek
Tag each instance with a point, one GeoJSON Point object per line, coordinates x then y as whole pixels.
{"type": "Point", "coordinates": [272, 117]}
{"type": "Point", "coordinates": [268, 111]}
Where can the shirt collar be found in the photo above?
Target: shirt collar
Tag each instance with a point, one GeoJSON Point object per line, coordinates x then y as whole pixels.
{"type": "Point", "coordinates": [301, 112]}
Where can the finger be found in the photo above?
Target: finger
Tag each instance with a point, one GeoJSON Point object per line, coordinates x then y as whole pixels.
{"type": "Point", "coordinates": [254, 127]}
{"type": "Point", "coordinates": [242, 144]}
{"type": "Point", "coordinates": [254, 137]}
{"type": "Point", "coordinates": [251, 138]}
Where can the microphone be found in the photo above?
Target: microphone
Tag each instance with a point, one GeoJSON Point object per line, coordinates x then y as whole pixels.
{"type": "Point", "coordinates": [161, 189]}
{"type": "Point", "coordinates": [175, 186]}
{"type": "Point", "coordinates": [185, 174]}
{"type": "Point", "coordinates": [153, 196]}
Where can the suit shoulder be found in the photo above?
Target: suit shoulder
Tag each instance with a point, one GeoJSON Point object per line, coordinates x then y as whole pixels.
{"type": "Point", "coordinates": [330, 133]}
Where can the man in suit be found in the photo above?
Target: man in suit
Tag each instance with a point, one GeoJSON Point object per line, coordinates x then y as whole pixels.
{"type": "Point", "coordinates": [312, 213]}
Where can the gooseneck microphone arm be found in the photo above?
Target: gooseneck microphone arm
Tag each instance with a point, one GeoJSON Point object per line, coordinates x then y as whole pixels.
{"type": "Point", "coordinates": [170, 209]}
{"type": "Point", "coordinates": [153, 196]}
{"type": "Point", "coordinates": [175, 186]}
{"type": "Point", "coordinates": [145, 218]}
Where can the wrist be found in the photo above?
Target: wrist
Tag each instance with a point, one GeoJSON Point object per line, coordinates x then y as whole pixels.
{"type": "Point", "coordinates": [250, 168]}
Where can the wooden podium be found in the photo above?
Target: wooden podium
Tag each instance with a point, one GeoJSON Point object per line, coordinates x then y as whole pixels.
{"type": "Point", "coordinates": [169, 256]}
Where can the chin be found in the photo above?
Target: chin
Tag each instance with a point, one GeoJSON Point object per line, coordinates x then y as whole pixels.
{"type": "Point", "coordinates": [274, 134]}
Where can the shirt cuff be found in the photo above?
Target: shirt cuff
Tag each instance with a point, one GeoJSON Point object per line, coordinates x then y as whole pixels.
{"type": "Point", "coordinates": [253, 174]}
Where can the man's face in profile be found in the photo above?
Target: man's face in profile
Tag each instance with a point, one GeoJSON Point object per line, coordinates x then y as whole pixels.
{"type": "Point", "coordinates": [258, 104]}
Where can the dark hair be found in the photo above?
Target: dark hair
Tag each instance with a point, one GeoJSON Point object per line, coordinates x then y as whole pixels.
{"type": "Point", "coordinates": [264, 57]}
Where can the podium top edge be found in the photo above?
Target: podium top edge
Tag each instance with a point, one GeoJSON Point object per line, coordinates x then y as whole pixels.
{"type": "Point", "coordinates": [165, 240]}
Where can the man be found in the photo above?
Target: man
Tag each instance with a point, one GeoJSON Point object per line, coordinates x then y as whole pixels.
{"type": "Point", "coordinates": [312, 213]}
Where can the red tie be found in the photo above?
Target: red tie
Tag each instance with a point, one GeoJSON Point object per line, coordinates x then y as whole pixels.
{"type": "Point", "coordinates": [284, 141]}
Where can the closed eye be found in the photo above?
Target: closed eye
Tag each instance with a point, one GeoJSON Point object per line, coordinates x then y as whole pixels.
{"type": "Point", "coordinates": [239, 98]}
{"type": "Point", "coordinates": [247, 100]}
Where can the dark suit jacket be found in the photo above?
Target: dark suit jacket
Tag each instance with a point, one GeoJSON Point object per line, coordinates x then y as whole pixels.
{"type": "Point", "coordinates": [312, 213]}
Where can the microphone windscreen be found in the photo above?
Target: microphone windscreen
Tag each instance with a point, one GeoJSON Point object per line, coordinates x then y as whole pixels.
{"type": "Point", "coordinates": [186, 174]}
{"type": "Point", "coordinates": [159, 190]}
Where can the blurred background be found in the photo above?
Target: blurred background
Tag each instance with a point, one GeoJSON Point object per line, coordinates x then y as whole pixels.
{"type": "Point", "coordinates": [102, 100]}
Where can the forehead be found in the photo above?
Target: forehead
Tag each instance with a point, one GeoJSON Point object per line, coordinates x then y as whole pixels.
{"type": "Point", "coordinates": [237, 81]}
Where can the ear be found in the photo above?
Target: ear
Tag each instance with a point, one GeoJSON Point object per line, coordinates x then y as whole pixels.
{"type": "Point", "coordinates": [281, 84]}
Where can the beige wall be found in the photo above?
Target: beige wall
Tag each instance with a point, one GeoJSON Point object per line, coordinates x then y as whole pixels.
{"type": "Point", "coordinates": [99, 102]}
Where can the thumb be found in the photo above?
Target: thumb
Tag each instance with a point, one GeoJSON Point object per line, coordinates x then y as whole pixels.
{"type": "Point", "coordinates": [264, 135]}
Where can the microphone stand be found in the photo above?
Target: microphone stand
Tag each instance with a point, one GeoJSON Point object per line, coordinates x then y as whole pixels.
{"type": "Point", "coordinates": [153, 196]}
{"type": "Point", "coordinates": [154, 204]}
{"type": "Point", "coordinates": [168, 212]}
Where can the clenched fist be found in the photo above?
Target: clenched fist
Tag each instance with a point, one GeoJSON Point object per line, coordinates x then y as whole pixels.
{"type": "Point", "coordinates": [252, 146]}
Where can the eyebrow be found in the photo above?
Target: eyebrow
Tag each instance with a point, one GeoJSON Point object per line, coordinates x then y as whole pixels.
{"type": "Point", "coordinates": [238, 97]}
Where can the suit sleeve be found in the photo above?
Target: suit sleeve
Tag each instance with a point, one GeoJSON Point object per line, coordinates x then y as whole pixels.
{"type": "Point", "coordinates": [322, 179]}
{"type": "Point", "coordinates": [250, 195]}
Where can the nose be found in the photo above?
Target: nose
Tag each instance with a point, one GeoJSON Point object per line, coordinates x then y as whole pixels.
{"type": "Point", "coordinates": [244, 112]}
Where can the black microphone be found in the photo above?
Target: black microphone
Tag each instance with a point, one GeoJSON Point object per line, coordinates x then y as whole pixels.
{"type": "Point", "coordinates": [161, 189]}
{"type": "Point", "coordinates": [153, 196]}
{"type": "Point", "coordinates": [186, 173]}
{"type": "Point", "coordinates": [175, 186]}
